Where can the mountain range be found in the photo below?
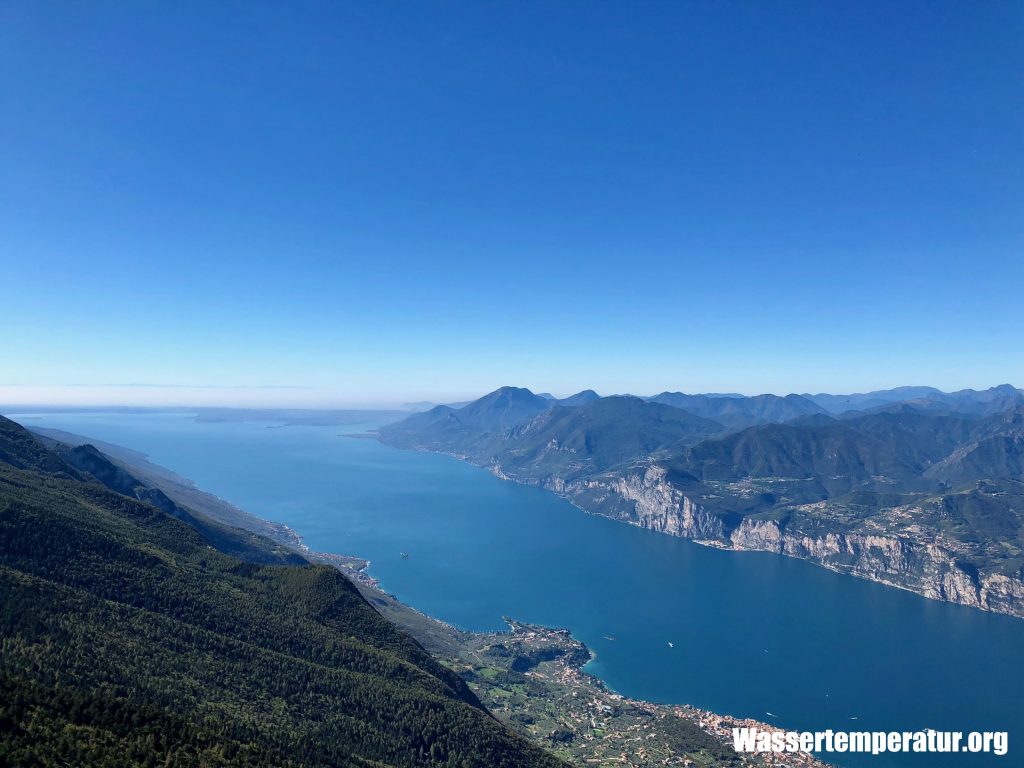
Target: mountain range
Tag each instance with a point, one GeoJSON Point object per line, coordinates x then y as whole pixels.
{"type": "Point", "coordinates": [989, 400]}
{"type": "Point", "coordinates": [912, 486]}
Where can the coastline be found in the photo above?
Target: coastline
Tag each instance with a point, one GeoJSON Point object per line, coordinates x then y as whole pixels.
{"type": "Point", "coordinates": [605, 720]}
{"type": "Point", "coordinates": [876, 557]}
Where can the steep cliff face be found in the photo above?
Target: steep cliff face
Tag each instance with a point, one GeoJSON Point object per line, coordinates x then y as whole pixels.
{"type": "Point", "coordinates": [646, 497]}
{"type": "Point", "coordinates": [919, 566]}
{"type": "Point", "coordinates": [925, 568]}
{"type": "Point", "coordinates": [662, 507]}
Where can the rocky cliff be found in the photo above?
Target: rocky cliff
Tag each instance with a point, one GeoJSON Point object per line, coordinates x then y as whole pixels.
{"type": "Point", "coordinates": [924, 567]}
{"type": "Point", "coordinates": [917, 562]}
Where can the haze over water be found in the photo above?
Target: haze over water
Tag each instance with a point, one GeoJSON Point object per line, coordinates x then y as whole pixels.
{"type": "Point", "coordinates": [753, 633]}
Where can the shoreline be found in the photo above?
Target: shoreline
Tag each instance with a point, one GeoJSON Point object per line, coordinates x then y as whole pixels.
{"type": "Point", "coordinates": [569, 666]}
{"type": "Point", "coordinates": [730, 546]}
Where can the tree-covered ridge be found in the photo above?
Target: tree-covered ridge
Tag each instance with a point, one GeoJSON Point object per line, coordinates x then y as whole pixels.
{"type": "Point", "coordinates": [128, 639]}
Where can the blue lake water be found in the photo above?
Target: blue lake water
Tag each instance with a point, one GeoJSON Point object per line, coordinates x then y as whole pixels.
{"type": "Point", "coordinates": [753, 633]}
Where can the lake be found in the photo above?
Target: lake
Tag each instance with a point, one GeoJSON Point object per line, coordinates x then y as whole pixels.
{"type": "Point", "coordinates": [753, 633]}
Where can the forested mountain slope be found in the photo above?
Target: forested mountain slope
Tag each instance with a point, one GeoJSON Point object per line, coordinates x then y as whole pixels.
{"type": "Point", "coordinates": [128, 638]}
{"type": "Point", "coordinates": [576, 441]}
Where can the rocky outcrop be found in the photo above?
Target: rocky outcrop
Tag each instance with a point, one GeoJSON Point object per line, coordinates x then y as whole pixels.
{"type": "Point", "coordinates": [922, 567]}
{"type": "Point", "coordinates": [662, 507]}
{"type": "Point", "coordinates": [651, 501]}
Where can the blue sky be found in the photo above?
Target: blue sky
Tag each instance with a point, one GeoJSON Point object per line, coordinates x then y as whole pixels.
{"type": "Point", "coordinates": [354, 203]}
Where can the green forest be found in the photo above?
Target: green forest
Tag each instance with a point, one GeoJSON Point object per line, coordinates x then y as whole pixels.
{"type": "Point", "coordinates": [129, 639]}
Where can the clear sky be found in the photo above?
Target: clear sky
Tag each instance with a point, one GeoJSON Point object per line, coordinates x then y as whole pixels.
{"type": "Point", "coordinates": [342, 203]}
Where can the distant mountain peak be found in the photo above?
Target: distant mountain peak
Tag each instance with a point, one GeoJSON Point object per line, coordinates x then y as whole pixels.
{"type": "Point", "coordinates": [503, 408]}
{"type": "Point", "coordinates": [580, 398]}
{"type": "Point", "coordinates": [1007, 389]}
{"type": "Point", "coordinates": [507, 393]}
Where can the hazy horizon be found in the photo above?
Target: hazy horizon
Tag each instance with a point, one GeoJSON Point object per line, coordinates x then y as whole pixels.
{"type": "Point", "coordinates": [156, 396]}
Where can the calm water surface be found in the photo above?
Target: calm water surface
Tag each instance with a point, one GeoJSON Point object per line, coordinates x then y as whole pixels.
{"type": "Point", "coordinates": [753, 633]}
